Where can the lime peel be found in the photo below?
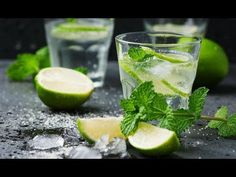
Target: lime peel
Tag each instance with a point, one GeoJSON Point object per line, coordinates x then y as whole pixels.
{"type": "Point", "coordinates": [154, 141]}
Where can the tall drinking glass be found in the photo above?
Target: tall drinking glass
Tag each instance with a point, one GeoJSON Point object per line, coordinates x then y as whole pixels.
{"type": "Point", "coordinates": [190, 26]}
{"type": "Point", "coordinates": [169, 60]}
{"type": "Point", "coordinates": [80, 43]}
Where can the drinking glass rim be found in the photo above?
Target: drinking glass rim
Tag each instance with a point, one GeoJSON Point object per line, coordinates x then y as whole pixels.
{"type": "Point", "coordinates": [161, 33]}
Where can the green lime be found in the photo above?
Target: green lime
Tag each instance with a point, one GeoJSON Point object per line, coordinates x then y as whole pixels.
{"type": "Point", "coordinates": [175, 89]}
{"type": "Point", "coordinates": [93, 129]}
{"type": "Point", "coordinates": [62, 88]}
{"type": "Point", "coordinates": [163, 56]}
{"type": "Point", "coordinates": [213, 64]}
{"type": "Point", "coordinates": [74, 28]}
{"type": "Point", "coordinates": [74, 31]}
{"type": "Point", "coordinates": [161, 86]}
{"type": "Point", "coordinates": [154, 141]}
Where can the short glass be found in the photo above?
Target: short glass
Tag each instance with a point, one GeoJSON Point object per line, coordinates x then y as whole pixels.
{"type": "Point", "coordinates": [169, 60]}
{"type": "Point", "coordinates": [82, 43]}
{"type": "Point", "coordinates": [190, 26]}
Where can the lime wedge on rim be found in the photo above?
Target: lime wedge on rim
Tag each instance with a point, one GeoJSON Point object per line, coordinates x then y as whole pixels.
{"type": "Point", "coordinates": [62, 88]}
{"type": "Point", "coordinates": [154, 141]}
{"type": "Point", "coordinates": [93, 129]}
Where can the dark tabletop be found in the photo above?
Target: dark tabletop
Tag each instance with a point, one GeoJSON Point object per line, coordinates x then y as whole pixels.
{"type": "Point", "coordinates": [23, 116]}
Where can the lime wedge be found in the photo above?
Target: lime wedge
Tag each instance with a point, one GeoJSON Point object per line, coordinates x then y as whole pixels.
{"type": "Point", "coordinates": [174, 89]}
{"type": "Point", "coordinates": [75, 28]}
{"type": "Point", "coordinates": [74, 31]}
{"type": "Point", "coordinates": [161, 86]}
{"type": "Point", "coordinates": [61, 88]}
{"type": "Point", "coordinates": [128, 68]}
{"type": "Point", "coordinates": [93, 129]}
{"type": "Point", "coordinates": [154, 141]}
{"type": "Point", "coordinates": [163, 56]}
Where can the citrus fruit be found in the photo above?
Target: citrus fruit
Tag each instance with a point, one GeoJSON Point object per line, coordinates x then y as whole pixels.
{"type": "Point", "coordinates": [62, 88]}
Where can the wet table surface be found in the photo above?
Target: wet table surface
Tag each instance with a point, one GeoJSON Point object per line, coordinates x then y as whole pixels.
{"type": "Point", "coordinates": [24, 118]}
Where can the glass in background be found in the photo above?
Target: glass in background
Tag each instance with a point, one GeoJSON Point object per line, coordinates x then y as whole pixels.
{"type": "Point", "coordinates": [189, 26]}
{"type": "Point", "coordinates": [82, 43]}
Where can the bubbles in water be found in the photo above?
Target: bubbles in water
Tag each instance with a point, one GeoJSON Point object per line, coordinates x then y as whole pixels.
{"type": "Point", "coordinates": [44, 142]}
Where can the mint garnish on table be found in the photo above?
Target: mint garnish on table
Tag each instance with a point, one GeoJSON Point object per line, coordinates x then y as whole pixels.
{"type": "Point", "coordinates": [146, 105]}
{"type": "Point", "coordinates": [29, 64]}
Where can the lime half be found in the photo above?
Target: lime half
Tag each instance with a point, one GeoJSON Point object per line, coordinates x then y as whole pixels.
{"type": "Point", "coordinates": [93, 129]}
{"type": "Point", "coordinates": [61, 88]}
{"type": "Point", "coordinates": [154, 141]}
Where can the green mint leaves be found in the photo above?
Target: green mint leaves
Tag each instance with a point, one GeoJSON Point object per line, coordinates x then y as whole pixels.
{"type": "Point", "coordinates": [141, 54]}
{"type": "Point", "coordinates": [28, 64]}
{"type": "Point", "coordinates": [138, 54]}
{"type": "Point", "coordinates": [146, 105]}
{"type": "Point", "coordinates": [197, 101]}
{"type": "Point", "coordinates": [226, 128]}
{"type": "Point", "coordinates": [81, 69]}
{"type": "Point", "coordinates": [71, 20]}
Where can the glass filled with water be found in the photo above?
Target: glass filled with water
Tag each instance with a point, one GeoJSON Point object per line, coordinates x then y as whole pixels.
{"type": "Point", "coordinates": [81, 43]}
{"type": "Point", "coordinates": [190, 26]}
{"type": "Point", "coordinates": [169, 60]}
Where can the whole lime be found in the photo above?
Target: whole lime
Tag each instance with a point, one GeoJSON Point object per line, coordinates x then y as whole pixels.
{"type": "Point", "coordinates": [213, 64]}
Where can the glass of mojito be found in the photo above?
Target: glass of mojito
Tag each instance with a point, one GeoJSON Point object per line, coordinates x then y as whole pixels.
{"type": "Point", "coordinates": [81, 43]}
{"type": "Point", "coordinates": [169, 60]}
{"type": "Point", "coordinates": [190, 26]}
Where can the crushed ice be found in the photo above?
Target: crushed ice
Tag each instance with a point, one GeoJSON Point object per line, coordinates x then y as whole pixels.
{"type": "Point", "coordinates": [44, 142]}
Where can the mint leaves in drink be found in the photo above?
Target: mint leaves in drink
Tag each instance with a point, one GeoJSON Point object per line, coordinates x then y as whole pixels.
{"type": "Point", "coordinates": [141, 54]}
{"type": "Point", "coordinates": [146, 105]}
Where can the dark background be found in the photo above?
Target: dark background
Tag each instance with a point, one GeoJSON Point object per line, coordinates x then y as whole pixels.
{"type": "Point", "coordinates": [19, 35]}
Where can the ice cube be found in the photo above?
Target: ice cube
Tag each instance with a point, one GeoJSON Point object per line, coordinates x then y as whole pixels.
{"type": "Point", "coordinates": [83, 152]}
{"type": "Point", "coordinates": [116, 147]}
{"type": "Point", "coordinates": [44, 142]}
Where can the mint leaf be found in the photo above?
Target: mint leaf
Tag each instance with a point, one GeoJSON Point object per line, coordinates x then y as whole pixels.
{"type": "Point", "coordinates": [221, 113]}
{"type": "Point", "coordinates": [197, 101]}
{"type": "Point", "coordinates": [228, 129]}
{"type": "Point", "coordinates": [43, 57]}
{"type": "Point", "coordinates": [129, 124]}
{"type": "Point", "coordinates": [25, 66]}
{"type": "Point", "coordinates": [127, 105]}
{"type": "Point", "coordinates": [71, 20]}
{"type": "Point", "coordinates": [136, 53]}
{"type": "Point", "coordinates": [158, 107]}
{"type": "Point", "coordinates": [184, 120]}
{"type": "Point", "coordinates": [168, 120]}
{"type": "Point", "coordinates": [143, 95]}
{"type": "Point", "coordinates": [81, 69]}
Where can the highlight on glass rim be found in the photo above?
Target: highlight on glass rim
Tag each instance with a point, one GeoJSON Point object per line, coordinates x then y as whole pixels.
{"type": "Point", "coordinates": [84, 90]}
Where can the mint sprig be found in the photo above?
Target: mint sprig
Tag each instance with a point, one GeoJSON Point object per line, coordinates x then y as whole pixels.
{"type": "Point", "coordinates": [28, 64]}
{"type": "Point", "coordinates": [226, 127]}
{"type": "Point", "coordinates": [82, 69]}
{"type": "Point", "coordinates": [146, 105]}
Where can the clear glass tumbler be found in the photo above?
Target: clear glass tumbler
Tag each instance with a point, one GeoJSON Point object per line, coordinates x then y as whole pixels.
{"type": "Point", "coordinates": [169, 60]}
{"type": "Point", "coordinates": [190, 26]}
{"type": "Point", "coordinates": [82, 43]}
